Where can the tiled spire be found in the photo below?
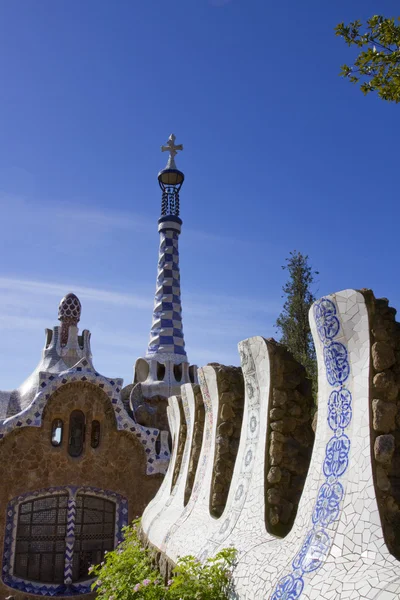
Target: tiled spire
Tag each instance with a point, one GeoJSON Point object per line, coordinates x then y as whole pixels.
{"type": "Point", "coordinates": [166, 336]}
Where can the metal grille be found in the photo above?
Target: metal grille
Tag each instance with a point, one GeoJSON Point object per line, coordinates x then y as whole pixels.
{"type": "Point", "coordinates": [40, 540]}
{"type": "Point", "coordinates": [94, 533]}
{"type": "Point", "coordinates": [170, 201]}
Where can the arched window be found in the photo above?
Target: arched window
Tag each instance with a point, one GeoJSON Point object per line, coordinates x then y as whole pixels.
{"type": "Point", "coordinates": [192, 373]}
{"type": "Point", "coordinates": [178, 372]}
{"type": "Point", "coordinates": [76, 433]}
{"type": "Point", "coordinates": [51, 528]}
{"type": "Point", "coordinates": [56, 432]}
{"type": "Point", "coordinates": [160, 371]}
{"type": "Point", "coordinates": [95, 434]}
{"type": "Point", "coordinates": [142, 369]}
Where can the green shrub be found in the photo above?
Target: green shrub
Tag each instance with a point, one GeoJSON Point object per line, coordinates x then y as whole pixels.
{"type": "Point", "coordinates": [128, 573]}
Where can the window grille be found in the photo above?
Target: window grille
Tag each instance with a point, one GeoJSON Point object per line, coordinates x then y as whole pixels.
{"type": "Point", "coordinates": [55, 534]}
{"type": "Point", "coordinates": [94, 533]}
{"type": "Point", "coordinates": [40, 539]}
{"type": "Point", "coordinates": [41, 536]}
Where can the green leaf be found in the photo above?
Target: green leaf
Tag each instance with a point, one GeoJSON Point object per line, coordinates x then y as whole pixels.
{"type": "Point", "coordinates": [377, 66]}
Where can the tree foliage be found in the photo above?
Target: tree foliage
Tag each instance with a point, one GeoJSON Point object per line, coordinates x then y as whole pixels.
{"type": "Point", "coordinates": [377, 66]}
{"type": "Point", "coordinates": [293, 321]}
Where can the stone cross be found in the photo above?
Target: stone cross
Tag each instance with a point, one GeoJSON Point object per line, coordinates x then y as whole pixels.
{"type": "Point", "coordinates": [172, 149]}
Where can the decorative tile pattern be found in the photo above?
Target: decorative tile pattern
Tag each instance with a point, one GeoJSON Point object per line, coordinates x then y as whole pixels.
{"type": "Point", "coordinates": [83, 372]}
{"type": "Point", "coordinates": [317, 542]}
{"type": "Point", "coordinates": [70, 539]}
{"type": "Point", "coordinates": [336, 547]}
{"type": "Point", "coordinates": [166, 336]}
{"type": "Point", "coordinates": [67, 588]}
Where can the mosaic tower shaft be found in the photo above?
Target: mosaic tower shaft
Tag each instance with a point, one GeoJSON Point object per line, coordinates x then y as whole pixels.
{"type": "Point", "coordinates": [166, 335]}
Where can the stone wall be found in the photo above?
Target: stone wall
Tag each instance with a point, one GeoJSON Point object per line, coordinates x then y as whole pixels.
{"type": "Point", "coordinates": [153, 413]}
{"type": "Point", "coordinates": [197, 439]}
{"type": "Point", "coordinates": [385, 414]}
{"type": "Point", "coordinates": [231, 401]}
{"type": "Point", "coordinates": [290, 438]}
{"type": "Point", "coordinates": [180, 441]}
{"type": "Point", "coordinates": [29, 462]}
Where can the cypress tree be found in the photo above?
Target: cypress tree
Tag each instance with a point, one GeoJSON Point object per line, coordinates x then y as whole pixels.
{"type": "Point", "coordinates": [293, 321]}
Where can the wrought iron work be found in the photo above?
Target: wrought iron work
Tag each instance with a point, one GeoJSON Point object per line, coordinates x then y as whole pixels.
{"type": "Point", "coordinates": [45, 537]}
{"type": "Point", "coordinates": [40, 539]}
{"type": "Point", "coordinates": [170, 200]}
{"type": "Point", "coordinates": [94, 533]}
{"type": "Point", "coordinates": [42, 531]}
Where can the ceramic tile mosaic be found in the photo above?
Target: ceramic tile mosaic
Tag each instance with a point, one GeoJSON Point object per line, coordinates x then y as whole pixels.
{"type": "Point", "coordinates": [166, 336]}
{"type": "Point", "coordinates": [167, 345]}
{"type": "Point", "coordinates": [335, 548]}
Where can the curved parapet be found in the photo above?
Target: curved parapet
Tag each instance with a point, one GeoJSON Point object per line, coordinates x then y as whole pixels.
{"type": "Point", "coordinates": [335, 546]}
{"type": "Point", "coordinates": [168, 504]}
{"type": "Point", "coordinates": [155, 507]}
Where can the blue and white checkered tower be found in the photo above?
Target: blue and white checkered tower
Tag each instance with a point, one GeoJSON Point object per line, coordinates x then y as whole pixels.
{"type": "Point", "coordinates": [167, 364]}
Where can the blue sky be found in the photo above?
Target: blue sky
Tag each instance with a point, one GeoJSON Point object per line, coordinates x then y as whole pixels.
{"type": "Point", "coordinates": [280, 154]}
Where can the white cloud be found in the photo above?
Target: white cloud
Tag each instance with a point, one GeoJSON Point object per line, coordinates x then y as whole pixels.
{"type": "Point", "coordinates": [216, 307]}
{"type": "Point", "coordinates": [77, 218]}
{"type": "Point", "coordinates": [60, 289]}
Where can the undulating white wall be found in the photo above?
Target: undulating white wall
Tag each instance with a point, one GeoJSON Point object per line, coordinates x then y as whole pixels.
{"type": "Point", "coordinates": [335, 548]}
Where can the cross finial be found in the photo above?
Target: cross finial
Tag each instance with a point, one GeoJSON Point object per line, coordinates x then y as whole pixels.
{"type": "Point", "coordinates": [173, 151]}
